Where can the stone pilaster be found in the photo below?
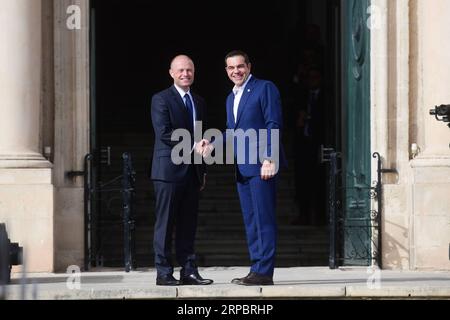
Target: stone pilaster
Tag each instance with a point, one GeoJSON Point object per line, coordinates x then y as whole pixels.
{"type": "Point", "coordinates": [26, 190]}
{"type": "Point", "coordinates": [71, 141]}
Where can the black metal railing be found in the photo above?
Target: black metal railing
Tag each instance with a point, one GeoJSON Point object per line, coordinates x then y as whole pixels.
{"type": "Point", "coordinates": [128, 182]}
{"type": "Point", "coordinates": [100, 196]}
{"type": "Point", "coordinates": [332, 209]}
{"type": "Point", "coordinates": [88, 189]}
{"type": "Point", "coordinates": [354, 238]}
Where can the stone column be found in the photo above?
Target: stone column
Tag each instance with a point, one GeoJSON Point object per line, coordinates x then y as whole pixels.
{"type": "Point", "coordinates": [20, 78]}
{"type": "Point", "coordinates": [26, 190]}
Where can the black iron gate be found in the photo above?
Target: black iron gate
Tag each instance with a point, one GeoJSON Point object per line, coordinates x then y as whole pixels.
{"type": "Point", "coordinates": [354, 249]}
{"type": "Point", "coordinates": [99, 199]}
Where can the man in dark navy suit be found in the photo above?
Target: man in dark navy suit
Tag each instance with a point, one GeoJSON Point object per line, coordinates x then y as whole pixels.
{"type": "Point", "coordinates": [254, 105]}
{"type": "Point", "coordinates": [177, 186]}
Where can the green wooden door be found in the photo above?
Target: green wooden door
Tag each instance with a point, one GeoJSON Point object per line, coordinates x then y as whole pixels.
{"type": "Point", "coordinates": [356, 107]}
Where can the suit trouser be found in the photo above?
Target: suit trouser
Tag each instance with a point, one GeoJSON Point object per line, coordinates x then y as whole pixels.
{"type": "Point", "coordinates": [176, 206]}
{"type": "Point", "coordinates": [258, 202]}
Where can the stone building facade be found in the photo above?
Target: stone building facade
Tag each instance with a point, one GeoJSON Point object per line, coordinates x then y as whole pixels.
{"type": "Point", "coordinates": [45, 104]}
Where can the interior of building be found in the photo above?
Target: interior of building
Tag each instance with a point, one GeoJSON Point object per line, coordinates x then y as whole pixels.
{"type": "Point", "coordinates": [289, 42]}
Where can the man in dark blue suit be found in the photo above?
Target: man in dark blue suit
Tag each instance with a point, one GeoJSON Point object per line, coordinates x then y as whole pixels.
{"type": "Point", "coordinates": [255, 105]}
{"type": "Point", "coordinates": [177, 187]}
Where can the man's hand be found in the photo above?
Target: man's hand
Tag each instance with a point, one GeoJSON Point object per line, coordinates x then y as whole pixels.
{"type": "Point", "coordinates": [207, 150]}
{"type": "Point", "coordinates": [267, 170]}
{"type": "Point", "coordinates": [200, 146]}
{"type": "Point", "coordinates": [204, 147]}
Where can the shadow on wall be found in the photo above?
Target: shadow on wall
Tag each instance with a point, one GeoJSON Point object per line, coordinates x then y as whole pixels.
{"type": "Point", "coordinates": [395, 254]}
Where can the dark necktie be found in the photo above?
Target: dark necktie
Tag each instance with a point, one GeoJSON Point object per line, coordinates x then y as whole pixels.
{"type": "Point", "coordinates": [190, 109]}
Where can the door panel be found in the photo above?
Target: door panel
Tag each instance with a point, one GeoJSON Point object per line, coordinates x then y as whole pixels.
{"type": "Point", "coordinates": [356, 153]}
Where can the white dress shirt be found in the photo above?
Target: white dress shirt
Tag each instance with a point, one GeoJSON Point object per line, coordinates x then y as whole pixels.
{"type": "Point", "coordinates": [238, 91]}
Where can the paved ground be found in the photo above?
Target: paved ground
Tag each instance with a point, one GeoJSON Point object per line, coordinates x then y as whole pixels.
{"type": "Point", "coordinates": [290, 283]}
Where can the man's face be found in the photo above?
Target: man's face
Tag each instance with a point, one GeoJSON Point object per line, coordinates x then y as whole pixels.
{"type": "Point", "coordinates": [182, 71]}
{"type": "Point", "coordinates": [237, 70]}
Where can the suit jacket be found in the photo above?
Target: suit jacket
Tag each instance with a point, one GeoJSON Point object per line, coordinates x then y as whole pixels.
{"type": "Point", "coordinates": [259, 108]}
{"type": "Point", "coordinates": [169, 113]}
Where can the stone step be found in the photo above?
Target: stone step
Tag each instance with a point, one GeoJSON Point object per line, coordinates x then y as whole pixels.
{"type": "Point", "coordinates": [281, 261]}
{"type": "Point", "coordinates": [241, 248]}
{"type": "Point", "coordinates": [228, 246]}
{"type": "Point", "coordinates": [228, 260]}
{"type": "Point", "coordinates": [227, 239]}
{"type": "Point", "coordinates": [225, 246]}
{"type": "Point", "coordinates": [207, 214]}
{"type": "Point", "coordinates": [283, 229]}
{"type": "Point", "coordinates": [142, 168]}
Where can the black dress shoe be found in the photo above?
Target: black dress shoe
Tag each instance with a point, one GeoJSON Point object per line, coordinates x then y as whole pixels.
{"type": "Point", "coordinates": [256, 279]}
{"type": "Point", "coordinates": [194, 279]}
{"type": "Point", "coordinates": [239, 280]}
{"type": "Point", "coordinates": [167, 280]}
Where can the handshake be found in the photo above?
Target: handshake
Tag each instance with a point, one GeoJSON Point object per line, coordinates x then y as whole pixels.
{"type": "Point", "coordinates": [204, 148]}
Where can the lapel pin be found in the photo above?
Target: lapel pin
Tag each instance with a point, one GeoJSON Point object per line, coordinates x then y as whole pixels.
{"type": "Point", "coordinates": [248, 90]}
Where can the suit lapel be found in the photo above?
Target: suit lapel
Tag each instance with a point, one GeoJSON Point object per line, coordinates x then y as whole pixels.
{"type": "Point", "coordinates": [245, 95]}
{"type": "Point", "coordinates": [197, 107]}
{"type": "Point", "coordinates": [230, 116]}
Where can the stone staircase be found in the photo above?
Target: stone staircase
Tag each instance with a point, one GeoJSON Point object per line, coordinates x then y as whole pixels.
{"type": "Point", "coordinates": [220, 235]}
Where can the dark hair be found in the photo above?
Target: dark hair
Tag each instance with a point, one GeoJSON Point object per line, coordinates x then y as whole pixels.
{"type": "Point", "coordinates": [235, 53]}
